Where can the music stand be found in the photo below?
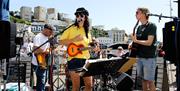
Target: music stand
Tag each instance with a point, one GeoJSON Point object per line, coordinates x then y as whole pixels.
{"type": "Point", "coordinates": [103, 66]}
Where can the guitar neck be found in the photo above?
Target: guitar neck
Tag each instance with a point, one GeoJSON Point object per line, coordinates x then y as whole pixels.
{"type": "Point", "coordinates": [85, 48]}
{"type": "Point", "coordinates": [135, 27]}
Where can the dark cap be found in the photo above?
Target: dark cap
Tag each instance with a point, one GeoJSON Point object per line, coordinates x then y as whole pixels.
{"type": "Point", "coordinates": [48, 26]}
{"type": "Point", "coordinates": [81, 10]}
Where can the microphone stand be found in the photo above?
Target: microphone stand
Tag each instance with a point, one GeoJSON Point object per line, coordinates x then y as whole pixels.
{"type": "Point", "coordinates": [161, 16]}
{"type": "Point", "coordinates": [176, 21]}
{"type": "Point", "coordinates": [18, 56]}
{"type": "Point", "coordinates": [6, 64]}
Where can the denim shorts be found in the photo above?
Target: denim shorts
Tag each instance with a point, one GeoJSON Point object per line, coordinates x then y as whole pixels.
{"type": "Point", "coordinates": [146, 68]}
{"type": "Point", "coordinates": [76, 63]}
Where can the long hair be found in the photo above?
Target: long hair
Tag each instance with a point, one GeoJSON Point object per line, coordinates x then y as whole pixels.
{"type": "Point", "coordinates": [86, 25]}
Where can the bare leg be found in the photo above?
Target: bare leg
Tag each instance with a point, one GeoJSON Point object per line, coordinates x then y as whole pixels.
{"type": "Point", "coordinates": [75, 80]}
{"type": "Point", "coordinates": [148, 85]}
{"type": "Point", "coordinates": [152, 86]}
{"type": "Point", "coordinates": [88, 83]}
{"type": "Point", "coordinates": [145, 85]}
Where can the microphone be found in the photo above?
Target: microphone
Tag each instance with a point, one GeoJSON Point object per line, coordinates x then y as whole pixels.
{"type": "Point", "coordinates": [149, 14]}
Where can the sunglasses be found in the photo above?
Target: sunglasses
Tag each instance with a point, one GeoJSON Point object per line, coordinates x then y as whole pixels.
{"type": "Point", "coordinates": [137, 12]}
{"type": "Point", "coordinates": [79, 15]}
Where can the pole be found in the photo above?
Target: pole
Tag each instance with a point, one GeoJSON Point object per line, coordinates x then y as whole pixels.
{"type": "Point", "coordinates": [178, 63]}
{"type": "Point", "coordinates": [178, 8]}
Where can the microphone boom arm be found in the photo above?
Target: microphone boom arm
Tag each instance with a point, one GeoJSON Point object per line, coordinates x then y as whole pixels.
{"type": "Point", "coordinates": [161, 16]}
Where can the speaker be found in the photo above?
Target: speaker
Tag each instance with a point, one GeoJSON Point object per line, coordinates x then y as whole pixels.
{"type": "Point", "coordinates": [7, 39]}
{"type": "Point", "coordinates": [170, 42]}
{"type": "Point", "coordinates": [124, 82]}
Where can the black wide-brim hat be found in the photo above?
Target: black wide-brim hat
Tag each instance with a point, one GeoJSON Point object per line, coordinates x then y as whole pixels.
{"type": "Point", "coordinates": [81, 10]}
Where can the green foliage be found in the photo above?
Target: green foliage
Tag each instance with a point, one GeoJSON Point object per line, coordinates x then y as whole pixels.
{"type": "Point", "coordinates": [98, 32]}
{"type": "Point", "coordinates": [16, 20]}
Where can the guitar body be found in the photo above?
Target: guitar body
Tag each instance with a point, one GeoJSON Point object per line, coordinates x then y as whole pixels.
{"type": "Point", "coordinates": [74, 49]}
{"type": "Point", "coordinates": [134, 50]}
{"type": "Point", "coordinates": [41, 58]}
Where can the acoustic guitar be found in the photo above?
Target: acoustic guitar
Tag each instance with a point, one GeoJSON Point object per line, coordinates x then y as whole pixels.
{"type": "Point", "coordinates": [134, 47]}
{"type": "Point", "coordinates": [74, 49]}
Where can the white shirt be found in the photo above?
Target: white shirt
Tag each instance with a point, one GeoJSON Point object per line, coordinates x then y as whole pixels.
{"type": "Point", "coordinates": [37, 41]}
{"type": "Point", "coordinates": [30, 47]}
{"type": "Point", "coordinates": [120, 53]}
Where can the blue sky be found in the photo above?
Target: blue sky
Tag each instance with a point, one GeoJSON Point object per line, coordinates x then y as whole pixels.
{"type": "Point", "coordinates": [110, 13]}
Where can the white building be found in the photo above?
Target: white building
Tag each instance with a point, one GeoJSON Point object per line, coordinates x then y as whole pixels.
{"type": "Point", "coordinates": [40, 13]}
{"type": "Point", "coordinates": [105, 40]}
{"type": "Point", "coordinates": [61, 16]}
{"type": "Point", "coordinates": [118, 36]}
{"type": "Point", "coordinates": [52, 14]}
{"type": "Point", "coordinates": [36, 27]}
{"type": "Point", "coordinates": [26, 13]}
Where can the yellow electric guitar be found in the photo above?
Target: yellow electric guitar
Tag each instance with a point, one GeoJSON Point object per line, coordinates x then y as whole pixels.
{"type": "Point", "coordinates": [74, 49]}
{"type": "Point", "coordinates": [42, 59]}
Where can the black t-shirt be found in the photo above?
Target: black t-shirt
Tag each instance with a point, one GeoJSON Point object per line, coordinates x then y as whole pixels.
{"type": "Point", "coordinates": [142, 33]}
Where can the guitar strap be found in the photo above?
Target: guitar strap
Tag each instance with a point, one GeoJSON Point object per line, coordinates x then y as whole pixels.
{"type": "Point", "coordinates": [145, 26]}
{"type": "Point", "coordinates": [142, 30]}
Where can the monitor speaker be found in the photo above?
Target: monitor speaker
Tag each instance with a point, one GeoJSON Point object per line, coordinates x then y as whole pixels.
{"type": "Point", "coordinates": [7, 39]}
{"type": "Point", "coordinates": [170, 41]}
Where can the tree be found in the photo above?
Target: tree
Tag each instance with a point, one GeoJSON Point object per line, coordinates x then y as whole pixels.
{"type": "Point", "coordinates": [98, 32]}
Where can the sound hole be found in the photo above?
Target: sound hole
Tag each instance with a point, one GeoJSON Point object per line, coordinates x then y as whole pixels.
{"type": "Point", "coordinates": [72, 49]}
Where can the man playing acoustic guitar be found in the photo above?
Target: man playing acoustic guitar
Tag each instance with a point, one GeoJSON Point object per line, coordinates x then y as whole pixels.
{"type": "Point", "coordinates": [77, 38]}
{"type": "Point", "coordinates": [39, 55]}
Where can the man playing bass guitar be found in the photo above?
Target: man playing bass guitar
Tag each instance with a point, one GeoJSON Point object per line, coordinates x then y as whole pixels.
{"type": "Point", "coordinates": [145, 37]}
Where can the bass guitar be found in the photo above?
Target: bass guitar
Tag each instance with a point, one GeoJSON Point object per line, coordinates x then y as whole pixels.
{"type": "Point", "coordinates": [74, 49]}
{"type": "Point", "coordinates": [134, 46]}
